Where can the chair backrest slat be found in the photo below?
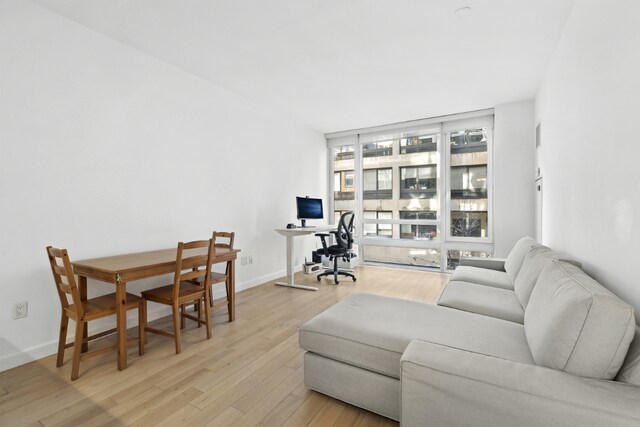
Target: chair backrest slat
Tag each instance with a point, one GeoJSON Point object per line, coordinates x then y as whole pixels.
{"type": "Point", "coordinates": [217, 235]}
{"type": "Point", "coordinates": [191, 275]}
{"type": "Point", "coordinates": [60, 270]}
{"type": "Point", "coordinates": [64, 279]}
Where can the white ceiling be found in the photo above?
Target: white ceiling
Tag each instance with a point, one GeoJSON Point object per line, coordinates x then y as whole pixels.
{"type": "Point", "coordinates": [344, 64]}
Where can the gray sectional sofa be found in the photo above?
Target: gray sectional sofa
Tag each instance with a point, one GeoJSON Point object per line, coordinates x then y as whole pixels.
{"type": "Point", "coordinates": [566, 357]}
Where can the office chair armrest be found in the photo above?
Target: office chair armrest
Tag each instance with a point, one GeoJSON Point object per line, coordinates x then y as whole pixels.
{"type": "Point", "coordinates": [323, 237]}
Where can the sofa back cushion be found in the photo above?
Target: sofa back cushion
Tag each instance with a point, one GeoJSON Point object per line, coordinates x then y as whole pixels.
{"type": "Point", "coordinates": [573, 324]}
{"type": "Point", "coordinates": [534, 262]}
{"type": "Point", "coordinates": [515, 258]}
{"type": "Point", "coordinates": [630, 370]}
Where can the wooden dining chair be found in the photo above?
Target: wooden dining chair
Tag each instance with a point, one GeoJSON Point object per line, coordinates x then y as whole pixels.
{"type": "Point", "coordinates": [85, 311]}
{"type": "Point", "coordinates": [222, 239]}
{"type": "Point", "coordinates": [188, 286]}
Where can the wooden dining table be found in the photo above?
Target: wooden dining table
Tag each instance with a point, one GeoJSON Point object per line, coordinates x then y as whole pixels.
{"type": "Point", "coordinates": [121, 269]}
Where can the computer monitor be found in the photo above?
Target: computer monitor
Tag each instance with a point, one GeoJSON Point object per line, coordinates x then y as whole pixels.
{"type": "Point", "coordinates": [309, 208]}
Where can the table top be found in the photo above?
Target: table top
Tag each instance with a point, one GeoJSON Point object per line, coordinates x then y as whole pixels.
{"type": "Point", "coordinates": [145, 264]}
{"type": "Point", "coordinates": [300, 231]}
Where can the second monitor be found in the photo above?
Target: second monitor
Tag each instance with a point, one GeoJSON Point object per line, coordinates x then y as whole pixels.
{"type": "Point", "coordinates": [308, 208]}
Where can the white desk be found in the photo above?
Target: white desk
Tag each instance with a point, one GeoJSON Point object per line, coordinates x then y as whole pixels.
{"type": "Point", "coordinates": [290, 233]}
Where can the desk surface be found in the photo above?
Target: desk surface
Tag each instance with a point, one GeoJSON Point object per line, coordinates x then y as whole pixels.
{"type": "Point", "coordinates": [299, 231]}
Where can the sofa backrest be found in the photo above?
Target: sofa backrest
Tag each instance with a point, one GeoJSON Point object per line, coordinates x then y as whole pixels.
{"type": "Point", "coordinates": [630, 370]}
{"type": "Point", "coordinates": [515, 258]}
{"type": "Point", "coordinates": [534, 262]}
{"type": "Point", "coordinates": [574, 324]}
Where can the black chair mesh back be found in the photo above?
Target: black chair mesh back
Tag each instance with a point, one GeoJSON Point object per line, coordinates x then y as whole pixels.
{"type": "Point", "coordinates": [344, 236]}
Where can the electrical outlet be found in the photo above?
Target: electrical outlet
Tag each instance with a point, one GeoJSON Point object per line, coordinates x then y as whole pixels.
{"type": "Point", "coordinates": [20, 310]}
{"type": "Point", "coordinates": [243, 260]}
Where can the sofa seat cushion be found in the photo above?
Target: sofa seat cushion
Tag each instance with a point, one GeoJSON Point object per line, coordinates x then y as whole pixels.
{"type": "Point", "coordinates": [485, 300]}
{"type": "Point", "coordinates": [482, 276]}
{"type": "Point", "coordinates": [574, 324]}
{"type": "Point", "coordinates": [372, 332]}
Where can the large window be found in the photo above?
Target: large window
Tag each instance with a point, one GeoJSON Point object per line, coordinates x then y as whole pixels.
{"type": "Point", "coordinates": [421, 193]}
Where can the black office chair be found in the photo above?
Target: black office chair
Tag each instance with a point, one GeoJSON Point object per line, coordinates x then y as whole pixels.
{"type": "Point", "coordinates": [342, 248]}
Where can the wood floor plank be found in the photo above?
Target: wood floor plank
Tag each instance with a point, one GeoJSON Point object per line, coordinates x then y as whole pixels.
{"type": "Point", "coordinates": [307, 411]}
{"type": "Point", "coordinates": [226, 418]}
{"type": "Point", "coordinates": [256, 413]}
{"type": "Point", "coordinates": [168, 408]}
{"type": "Point", "coordinates": [329, 414]}
{"type": "Point", "coordinates": [249, 373]}
{"type": "Point", "coordinates": [281, 413]}
{"type": "Point", "coordinates": [347, 417]}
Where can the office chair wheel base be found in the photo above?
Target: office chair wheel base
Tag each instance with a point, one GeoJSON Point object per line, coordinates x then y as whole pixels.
{"type": "Point", "coordinates": [318, 277]}
{"type": "Point", "coordinates": [354, 279]}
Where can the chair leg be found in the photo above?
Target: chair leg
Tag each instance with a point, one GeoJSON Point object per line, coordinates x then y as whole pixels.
{"type": "Point", "coordinates": [142, 320]}
{"type": "Point", "coordinates": [144, 308]}
{"type": "Point", "coordinates": [183, 320]}
{"type": "Point", "coordinates": [207, 312]}
{"type": "Point", "coordinates": [77, 349]}
{"type": "Point", "coordinates": [176, 327]}
{"type": "Point", "coordinates": [62, 340]}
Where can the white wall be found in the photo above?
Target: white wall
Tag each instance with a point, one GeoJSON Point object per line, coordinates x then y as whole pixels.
{"type": "Point", "coordinates": [105, 150]}
{"type": "Point", "coordinates": [513, 160]}
{"type": "Point", "coordinates": [588, 107]}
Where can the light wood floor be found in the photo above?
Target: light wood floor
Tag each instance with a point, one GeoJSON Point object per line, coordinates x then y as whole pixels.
{"type": "Point", "coordinates": [250, 373]}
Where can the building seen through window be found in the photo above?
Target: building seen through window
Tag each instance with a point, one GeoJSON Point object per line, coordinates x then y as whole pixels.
{"type": "Point", "coordinates": [407, 194]}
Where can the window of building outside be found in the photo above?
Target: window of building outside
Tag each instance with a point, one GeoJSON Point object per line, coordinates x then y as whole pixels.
{"type": "Point", "coordinates": [377, 183]}
{"type": "Point", "coordinates": [343, 184]}
{"type": "Point", "coordinates": [348, 179]}
{"type": "Point", "coordinates": [418, 144]}
{"type": "Point", "coordinates": [415, 231]}
{"type": "Point", "coordinates": [419, 182]}
{"type": "Point", "coordinates": [377, 149]}
{"type": "Point", "coordinates": [423, 194]}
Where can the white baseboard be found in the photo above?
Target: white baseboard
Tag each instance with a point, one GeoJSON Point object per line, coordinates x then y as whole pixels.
{"type": "Point", "coordinates": [155, 312]}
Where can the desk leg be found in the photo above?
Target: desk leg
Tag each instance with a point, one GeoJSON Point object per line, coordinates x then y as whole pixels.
{"type": "Point", "coordinates": [290, 283]}
{"type": "Point", "coordinates": [231, 290]}
{"type": "Point", "coordinates": [82, 284]}
{"type": "Point", "coordinates": [121, 315]}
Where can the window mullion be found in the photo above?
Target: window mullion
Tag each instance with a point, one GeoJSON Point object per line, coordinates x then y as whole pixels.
{"type": "Point", "coordinates": [445, 202]}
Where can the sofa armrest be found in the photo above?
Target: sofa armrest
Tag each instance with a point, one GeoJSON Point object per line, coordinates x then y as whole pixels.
{"type": "Point", "coordinates": [454, 387]}
{"type": "Point", "coordinates": [489, 263]}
